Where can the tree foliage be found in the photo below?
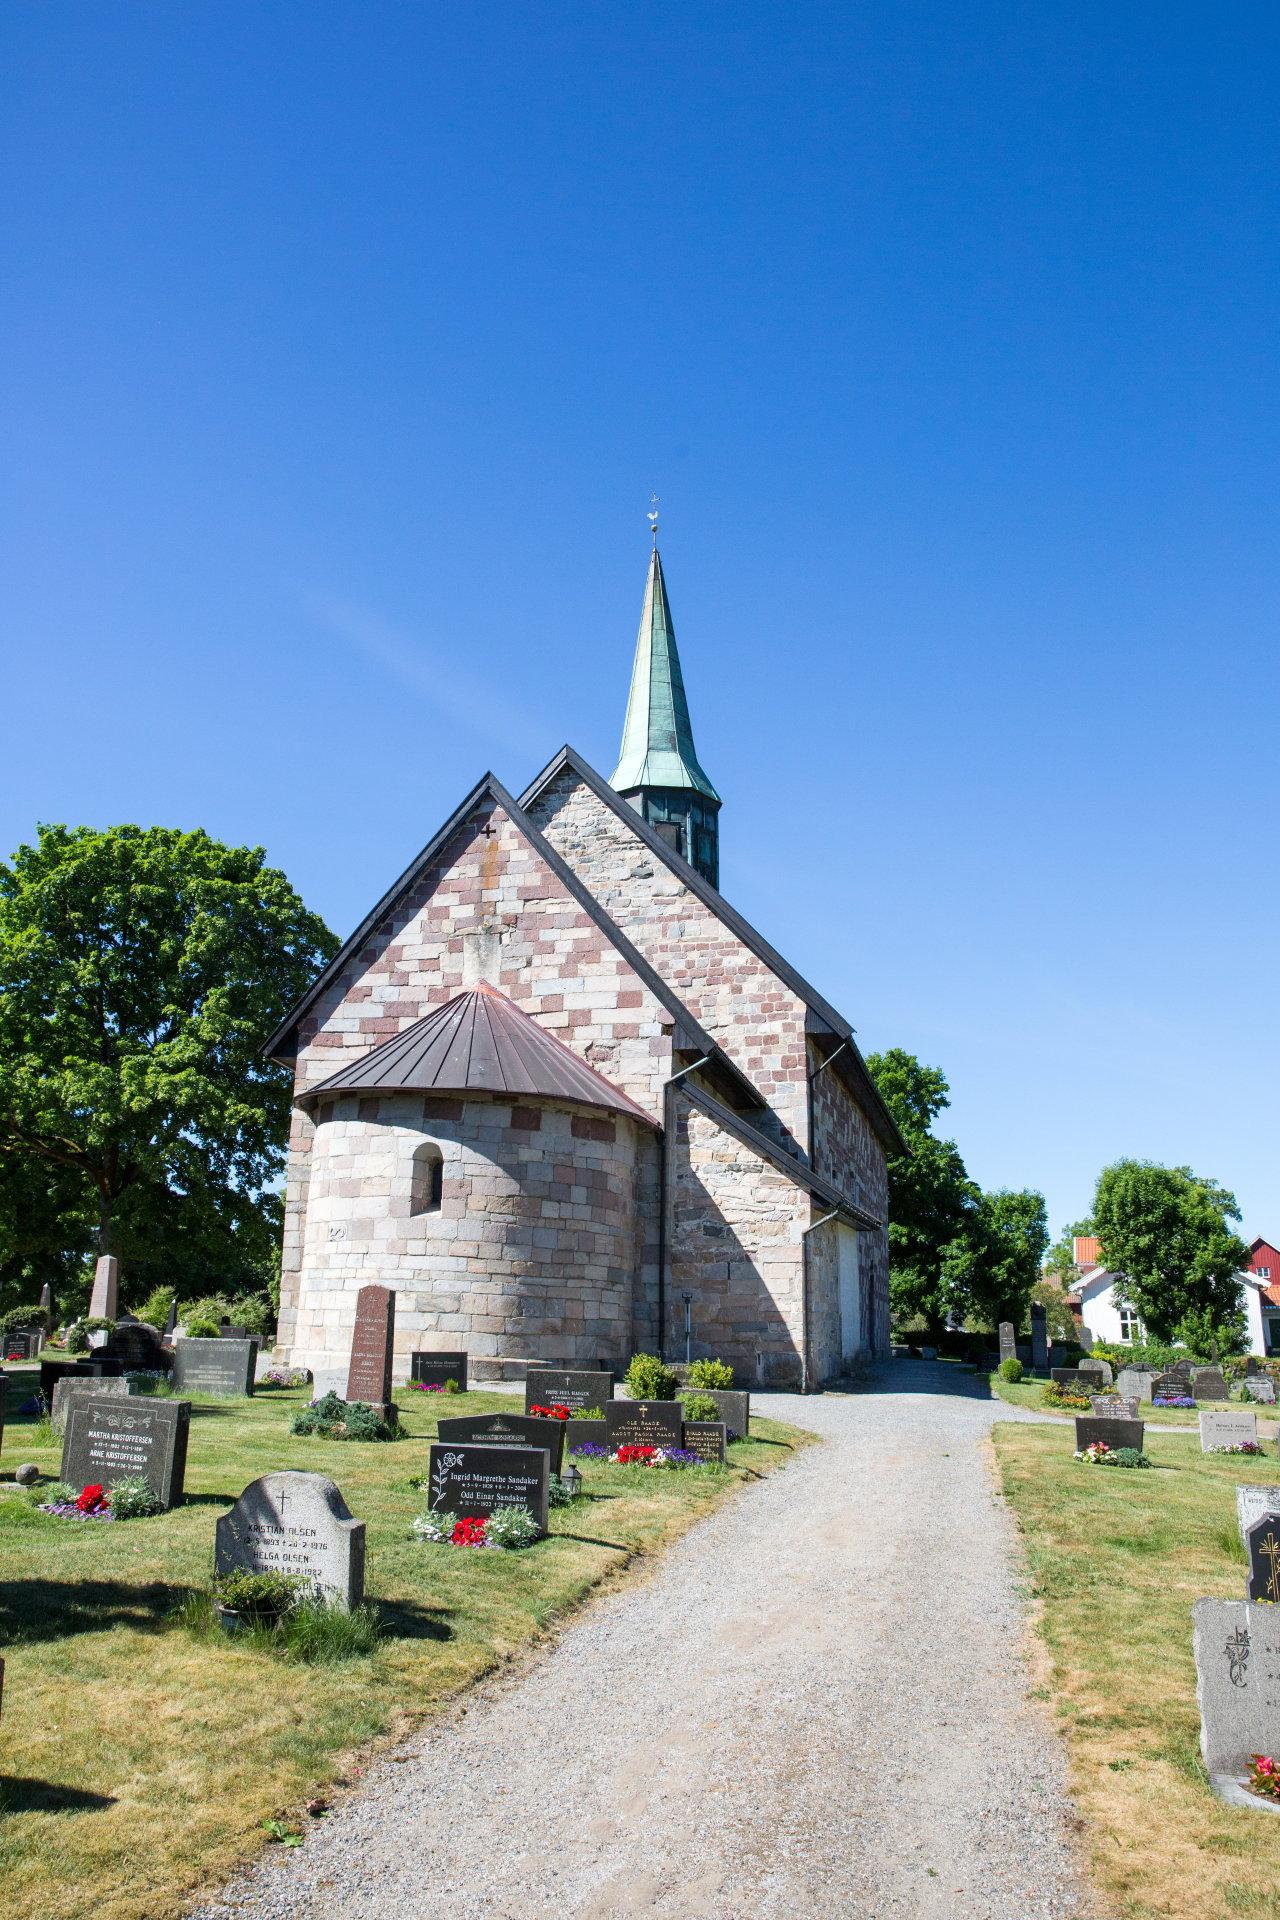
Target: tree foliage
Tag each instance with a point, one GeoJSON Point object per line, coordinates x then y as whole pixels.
{"type": "Point", "coordinates": [140, 971]}
{"type": "Point", "coordinates": [1061, 1258]}
{"type": "Point", "coordinates": [1166, 1230]}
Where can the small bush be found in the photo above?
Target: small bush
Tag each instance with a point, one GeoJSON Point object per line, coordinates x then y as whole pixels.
{"type": "Point", "coordinates": [1128, 1457]}
{"type": "Point", "coordinates": [319, 1635]}
{"type": "Point", "coordinates": [200, 1329]}
{"type": "Point", "coordinates": [260, 1598]}
{"type": "Point", "coordinates": [132, 1499]}
{"type": "Point", "coordinates": [588, 1413]}
{"type": "Point", "coordinates": [717, 1374]}
{"type": "Point", "coordinates": [700, 1406]}
{"type": "Point", "coordinates": [77, 1340]}
{"type": "Point", "coordinates": [337, 1419]}
{"type": "Point", "coordinates": [1011, 1370]}
{"type": "Point", "coordinates": [155, 1308]}
{"type": "Point", "coordinates": [649, 1379]}
{"type": "Point", "coordinates": [511, 1527]}
{"type": "Point", "coordinates": [23, 1317]}
{"type": "Point", "coordinates": [98, 1325]}
{"type": "Point", "coordinates": [452, 1386]}
{"type": "Point", "coordinates": [558, 1495]}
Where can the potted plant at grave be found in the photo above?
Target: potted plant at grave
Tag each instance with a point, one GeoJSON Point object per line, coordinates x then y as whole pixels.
{"type": "Point", "coordinates": [243, 1600]}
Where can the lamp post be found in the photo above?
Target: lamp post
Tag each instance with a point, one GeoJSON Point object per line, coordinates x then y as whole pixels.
{"type": "Point", "coordinates": [688, 1326]}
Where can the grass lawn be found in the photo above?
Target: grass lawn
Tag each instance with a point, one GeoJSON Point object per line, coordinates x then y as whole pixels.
{"type": "Point", "coordinates": [1030, 1393]}
{"type": "Point", "coordinates": [138, 1760]}
{"type": "Point", "coordinates": [1117, 1558]}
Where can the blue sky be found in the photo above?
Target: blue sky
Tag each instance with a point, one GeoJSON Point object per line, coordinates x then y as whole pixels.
{"type": "Point", "coordinates": [344, 345]}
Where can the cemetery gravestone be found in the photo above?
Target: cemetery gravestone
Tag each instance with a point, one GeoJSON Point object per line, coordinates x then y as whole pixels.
{"type": "Point", "coordinates": [1134, 1383]}
{"type": "Point", "coordinates": [4, 1394]}
{"type": "Point", "coordinates": [1209, 1383]}
{"type": "Point", "coordinates": [170, 1325]}
{"type": "Point", "coordinates": [1256, 1503]}
{"type": "Point", "coordinates": [46, 1305]}
{"type": "Point", "coordinates": [643, 1423]}
{"type": "Point", "coordinates": [1110, 1404]}
{"type": "Point", "coordinates": [51, 1371]}
{"type": "Point", "coordinates": [433, 1369]}
{"type": "Point", "coordinates": [733, 1406]}
{"type": "Point", "coordinates": [474, 1481]}
{"type": "Point", "coordinates": [1100, 1368]}
{"type": "Point", "coordinates": [583, 1433]}
{"type": "Point", "coordinates": [1262, 1544]}
{"type": "Point", "coordinates": [1237, 1649]}
{"type": "Point", "coordinates": [1008, 1341]}
{"type": "Point", "coordinates": [214, 1366]}
{"type": "Point", "coordinates": [506, 1430]}
{"type": "Point", "coordinates": [227, 1332]}
{"type": "Point", "coordinates": [1227, 1429]}
{"type": "Point", "coordinates": [1039, 1337]}
{"type": "Point", "coordinates": [567, 1387]}
{"type": "Point", "coordinates": [110, 1439]}
{"type": "Point", "coordinates": [295, 1523]}
{"type": "Point", "coordinates": [104, 1302]}
{"type": "Point", "coordinates": [1112, 1433]}
{"type": "Point", "coordinates": [706, 1439]}
{"type": "Point", "coordinates": [1072, 1380]}
{"type": "Point", "coordinates": [1171, 1386]}
{"type": "Point", "coordinates": [369, 1375]}
{"type": "Point", "coordinates": [1262, 1388]}
{"type": "Point", "coordinates": [69, 1389]}
{"type": "Point", "coordinates": [138, 1348]}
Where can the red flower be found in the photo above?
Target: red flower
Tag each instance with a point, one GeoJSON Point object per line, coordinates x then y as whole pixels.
{"type": "Point", "coordinates": [551, 1413]}
{"type": "Point", "coordinates": [469, 1532]}
{"type": "Point", "coordinates": [93, 1499]}
{"type": "Point", "coordinates": [633, 1456]}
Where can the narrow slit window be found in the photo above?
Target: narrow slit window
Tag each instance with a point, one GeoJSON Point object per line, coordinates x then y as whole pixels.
{"type": "Point", "coordinates": [428, 1180]}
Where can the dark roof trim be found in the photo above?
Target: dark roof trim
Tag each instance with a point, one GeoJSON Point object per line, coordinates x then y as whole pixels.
{"type": "Point", "coordinates": [858, 1077]}
{"type": "Point", "coordinates": [689, 1035]}
{"type": "Point", "coordinates": [815, 1183]}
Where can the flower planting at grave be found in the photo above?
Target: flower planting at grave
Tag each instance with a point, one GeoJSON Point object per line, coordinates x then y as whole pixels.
{"type": "Point", "coordinates": [1099, 1454]}
{"type": "Point", "coordinates": [277, 1379]}
{"type": "Point", "coordinates": [1264, 1777]}
{"type": "Point", "coordinates": [433, 1386]}
{"type": "Point", "coordinates": [1172, 1400]}
{"type": "Point", "coordinates": [551, 1413]}
{"type": "Point", "coordinates": [509, 1528]}
{"type": "Point", "coordinates": [638, 1456]}
{"type": "Point", "coordinates": [129, 1499]}
{"type": "Point", "coordinates": [1239, 1446]}
{"type": "Point", "coordinates": [337, 1419]}
{"type": "Point", "coordinates": [1062, 1397]}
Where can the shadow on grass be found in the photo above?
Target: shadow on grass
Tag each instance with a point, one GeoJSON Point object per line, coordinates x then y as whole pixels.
{"type": "Point", "coordinates": [53, 1609]}
{"type": "Point", "coordinates": [20, 1795]}
{"type": "Point", "coordinates": [406, 1620]}
{"type": "Point", "coordinates": [588, 1540]}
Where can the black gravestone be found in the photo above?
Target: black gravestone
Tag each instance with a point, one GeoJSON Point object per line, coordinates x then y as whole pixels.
{"type": "Point", "coordinates": [474, 1481]}
{"type": "Point", "coordinates": [1039, 1337]}
{"type": "Point", "coordinates": [227, 1332]}
{"type": "Point", "coordinates": [138, 1348]}
{"type": "Point", "coordinates": [214, 1366]}
{"type": "Point", "coordinates": [506, 1430]}
{"type": "Point", "coordinates": [583, 1433]}
{"type": "Point", "coordinates": [706, 1439]}
{"type": "Point", "coordinates": [1262, 1544]}
{"type": "Point", "coordinates": [1209, 1383]}
{"type": "Point", "coordinates": [644, 1423]}
{"type": "Point", "coordinates": [567, 1387]}
{"type": "Point", "coordinates": [433, 1369]}
{"type": "Point", "coordinates": [1112, 1433]}
{"type": "Point", "coordinates": [1172, 1385]}
{"type": "Point", "coordinates": [115, 1439]}
{"type": "Point", "coordinates": [1072, 1380]}
{"type": "Point", "coordinates": [23, 1343]}
{"type": "Point", "coordinates": [51, 1371]}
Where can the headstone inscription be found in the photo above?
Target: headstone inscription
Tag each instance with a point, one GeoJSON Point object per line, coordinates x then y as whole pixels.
{"type": "Point", "coordinates": [1209, 1383]}
{"type": "Point", "coordinates": [1039, 1336]}
{"type": "Point", "coordinates": [434, 1369]}
{"type": "Point", "coordinates": [1237, 1647]}
{"type": "Point", "coordinates": [706, 1439]}
{"type": "Point", "coordinates": [68, 1390]}
{"type": "Point", "coordinates": [474, 1481]}
{"type": "Point", "coordinates": [643, 1423]}
{"type": "Point", "coordinates": [1112, 1433]}
{"type": "Point", "coordinates": [1256, 1503]}
{"type": "Point", "coordinates": [295, 1523]}
{"type": "Point", "coordinates": [372, 1341]}
{"type": "Point", "coordinates": [1134, 1383]}
{"type": "Point", "coordinates": [110, 1439]}
{"type": "Point", "coordinates": [104, 1302]}
{"type": "Point", "coordinates": [506, 1430]}
{"type": "Point", "coordinates": [23, 1343]}
{"type": "Point", "coordinates": [1262, 1544]}
{"type": "Point", "coordinates": [567, 1387]}
{"type": "Point", "coordinates": [1172, 1385]}
{"type": "Point", "coordinates": [214, 1366]}
{"type": "Point", "coordinates": [1262, 1388]}
{"type": "Point", "coordinates": [1008, 1341]}
{"type": "Point", "coordinates": [1225, 1427]}
{"type": "Point", "coordinates": [1112, 1406]}
{"type": "Point", "coordinates": [733, 1406]}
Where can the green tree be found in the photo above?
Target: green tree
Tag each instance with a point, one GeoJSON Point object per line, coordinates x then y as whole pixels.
{"type": "Point", "coordinates": [1167, 1232]}
{"type": "Point", "coordinates": [1061, 1257]}
{"type": "Point", "coordinates": [930, 1194]}
{"type": "Point", "coordinates": [140, 971]}
{"type": "Point", "coordinates": [993, 1265]}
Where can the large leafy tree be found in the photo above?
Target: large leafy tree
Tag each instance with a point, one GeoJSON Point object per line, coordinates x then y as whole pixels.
{"type": "Point", "coordinates": [1061, 1256]}
{"type": "Point", "coordinates": [1166, 1230]}
{"type": "Point", "coordinates": [140, 970]}
{"type": "Point", "coordinates": [993, 1265]}
{"type": "Point", "coordinates": [930, 1194]}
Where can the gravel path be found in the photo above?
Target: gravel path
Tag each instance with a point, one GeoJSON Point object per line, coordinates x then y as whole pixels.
{"type": "Point", "coordinates": [815, 1707]}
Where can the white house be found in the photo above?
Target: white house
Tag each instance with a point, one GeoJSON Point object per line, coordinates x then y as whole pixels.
{"type": "Point", "coordinates": [1104, 1317]}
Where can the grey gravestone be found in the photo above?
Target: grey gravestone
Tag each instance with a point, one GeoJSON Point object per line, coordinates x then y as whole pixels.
{"type": "Point", "coordinates": [1172, 1386]}
{"type": "Point", "coordinates": [227, 1332]}
{"type": "Point", "coordinates": [1253, 1503]}
{"type": "Point", "coordinates": [1112, 1433]}
{"type": "Point", "coordinates": [1134, 1383]}
{"type": "Point", "coordinates": [295, 1523]}
{"type": "Point", "coordinates": [138, 1347]}
{"type": "Point", "coordinates": [474, 1481]}
{"type": "Point", "coordinates": [506, 1430]}
{"type": "Point", "coordinates": [1039, 1337]}
{"type": "Point", "coordinates": [733, 1406]}
{"type": "Point", "coordinates": [110, 1439]}
{"type": "Point", "coordinates": [705, 1438]}
{"type": "Point", "coordinates": [69, 1389]}
{"type": "Point", "coordinates": [1209, 1383]}
{"type": "Point", "coordinates": [214, 1366]}
{"type": "Point", "coordinates": [372, 1341]}
{"type": "Point", "coordinates": [326, 1380]}
{"type": "Point", "coordinates": [1237, 1648]}
{"type": "Point", "coordinates": [1008, 1341]}
{"type": "Point", "coordinates": [433, 1369]}
{"type": "Point", "coordinates": [1262, 1544]}
{"type": "Point", "coordinates": [1227, 1428]}
{"type": "Point", "coordinates": [1110, 1405]}
{"type": "Point", "coordinates": [1101, 1368]}
{"type": "Point", "coordinates": [1262, 1388]}
{"type": "Point", "coordinates": [104, 1302]}
{"type": "Point", "coordinates": [643, 1423]}
{"type": "Point", "coordinates": [567, 1387]}
{"type": "Point", "coordinates": [46, 1303]}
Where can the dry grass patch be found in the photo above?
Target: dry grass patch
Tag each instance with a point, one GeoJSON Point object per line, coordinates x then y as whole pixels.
{"type": "Point", "coordinates": [1117, 1558]}
{"type": "Point", "coordinates": [138, 1759]}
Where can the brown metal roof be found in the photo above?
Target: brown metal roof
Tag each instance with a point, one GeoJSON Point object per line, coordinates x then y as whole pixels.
{"type": "Point", "coordinates": [479, 1042]}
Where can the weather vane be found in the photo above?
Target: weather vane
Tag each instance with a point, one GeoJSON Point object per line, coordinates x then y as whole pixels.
{"type": "Point", "coordinates": [653, 519]}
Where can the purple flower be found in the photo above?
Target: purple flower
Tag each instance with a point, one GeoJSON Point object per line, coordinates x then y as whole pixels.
{"type": "Point", "coordinates": [590, 1450]}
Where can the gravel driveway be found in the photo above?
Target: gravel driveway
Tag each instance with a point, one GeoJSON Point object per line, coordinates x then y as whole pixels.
{"type": "Point", "coordinates": [815, 1707]}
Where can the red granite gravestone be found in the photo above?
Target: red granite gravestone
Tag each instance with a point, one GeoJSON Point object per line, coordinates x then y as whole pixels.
{"type": "Point", "coordinates": [369, 1375]}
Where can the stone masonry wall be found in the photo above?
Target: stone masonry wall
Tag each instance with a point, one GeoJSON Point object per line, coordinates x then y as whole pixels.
{"type": "Point", "coordinates": [738, 1226]}
{"type": "Point", "coordinates": [488, 907]}
{"type": "Point", "coordinates": [532, 1253]}
{"type": "Point", "coordinates": [847, 1151]}
{"type": "Point", "coordinates": [756, 1018]}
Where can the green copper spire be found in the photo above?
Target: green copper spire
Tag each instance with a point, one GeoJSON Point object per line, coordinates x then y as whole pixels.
{"type": "Point", "coordinates": [657, 740]}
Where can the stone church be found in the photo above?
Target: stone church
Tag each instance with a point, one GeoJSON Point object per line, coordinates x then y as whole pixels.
{"type": "Point", "coordinates": [570, 1105]}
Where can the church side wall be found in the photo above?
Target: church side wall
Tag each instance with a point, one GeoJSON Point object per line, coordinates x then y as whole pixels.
{"type": "Point", "coordinates": [487, 908]}
{"type": "Point", "coordinates": [847, 1151]}
{"type": "Point", "coordinates": [738, 1248]}
{"type": "Point", "coordinates": [754, 1015]}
